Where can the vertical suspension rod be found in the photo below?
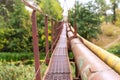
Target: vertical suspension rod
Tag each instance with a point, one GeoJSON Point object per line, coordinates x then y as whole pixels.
{"type": "Point", "coordinates": [46, 40]}
{"type": "Point", "coordinates": [75, 26]}
{"type": "Point", "coordinates": [35, 46]}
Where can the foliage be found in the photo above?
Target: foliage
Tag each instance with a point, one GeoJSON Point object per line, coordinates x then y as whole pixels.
{"type": "Point", "coordinates": [114, 6]}
{"type": "Point", "coordinates": [19, 56]}
{"type": "Point", "coordinates": [9, 71]}
{"type": "Point", "coordinates": [102, 8]}
{"type": "Point", "coordinates": [15, 26]}
{"type": "Point", "coordinates": [48, 7]}
{"type": "Point", "coordinates": [117, 23]}
{"type": "Point", "coordinates": [9, 4]}
{"type": "Point", "coordinates": [87, 19]}
{"type": "Point", "coordinates": [12, 72]}
{"type": "Point", "coordinates": [52, 8]}
{"type": "Point", "coordinates": [115, 49]}
{"type": "Point", "coordinates": [4, 13]}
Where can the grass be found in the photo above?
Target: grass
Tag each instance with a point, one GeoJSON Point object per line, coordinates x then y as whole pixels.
{"type": "Point", "coordinates": [18, 69]}
{"type": "Point", "coordinates": [19, 66]}
{"type": "Point", "coordinates": [7, 56]}
{"type": "Point", "coordinates": [115, 49]}
{"type": "Point", "coordinates": [109, 34]}
{"type": "Point", "coordinates": [22, 72]}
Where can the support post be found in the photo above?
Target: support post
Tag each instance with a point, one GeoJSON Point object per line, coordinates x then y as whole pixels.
{"type": "Point", "coordinates": [76, 71]}
{"type": "Point", "coordinates": [75, 25]}
{"type": "Point", "coordinates": [35, 46]}
{"type": "Point", "coordinates": [75, 28]}
{"type": "Point", "coordinates": [52, 33]}
{"type": "Point", "coordinates": [46, 40]}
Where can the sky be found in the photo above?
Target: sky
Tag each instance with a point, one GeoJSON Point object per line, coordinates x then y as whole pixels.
{"type": "Point", "coordinates": [68, 4]}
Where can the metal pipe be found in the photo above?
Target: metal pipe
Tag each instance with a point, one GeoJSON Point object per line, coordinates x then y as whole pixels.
{"type": "Point", "coordinates": [109, 58]}
{"type": "Point", "coordinates": [35, 46]}
{"type": "Point", "coordinates": [89, 65]}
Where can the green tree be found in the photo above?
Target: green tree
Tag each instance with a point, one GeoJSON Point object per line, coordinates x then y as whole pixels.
{"type": "Point", "coordinates": [114, 4]}
{"type": "Point", "coordinates": [18, 30]}
{"type": "Point", "coordinates": [102, 8]}
{"type": "Point", "coordinates": [9, 4]}
{"type": "Point", "coordinates": [16, 37]}
{"type": "Point", "coordinates": [52, 8]}
{"type": "Point", "coordinates": [4, 12]}
{"type": "Point", "coordinates": [87, 20]}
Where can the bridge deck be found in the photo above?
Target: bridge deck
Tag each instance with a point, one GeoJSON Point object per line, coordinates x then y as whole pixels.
{"type": "Point", "coordinates": [59, 66]}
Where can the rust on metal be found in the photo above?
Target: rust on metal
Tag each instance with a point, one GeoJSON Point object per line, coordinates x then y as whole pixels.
{"type": "Point", "coordinates": [56, 34]}
{"type": "Point", "coordinates": [75, 25]}
{"type": "Point", "coordinates": [52, 33]}
{"type": "Point", "coordinates": [59, 66]}
{"type": "Point", "coordinates": [35, 46]}
{"type": "Point", "coordinates": [110, 59]}
{"type": "Point", "coordinates": [32, 6]}
{"type": "Point", "coordinates": [46, 40]}
{"type": "Point", "coordinates": [90, 67]}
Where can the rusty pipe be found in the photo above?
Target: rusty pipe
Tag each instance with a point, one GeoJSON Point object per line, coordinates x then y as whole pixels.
{"type": "Point", "coordinates": [109, 58]}
{"type": "Point", "coordinates": [89, 65]}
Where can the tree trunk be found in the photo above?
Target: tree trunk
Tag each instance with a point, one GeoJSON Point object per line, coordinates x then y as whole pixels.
{"type": "Point", "coordinates": [114, 13]}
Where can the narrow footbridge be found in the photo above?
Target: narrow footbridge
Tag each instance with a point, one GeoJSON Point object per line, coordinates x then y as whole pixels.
{"type": "Point", "coordinates": [91, 62]}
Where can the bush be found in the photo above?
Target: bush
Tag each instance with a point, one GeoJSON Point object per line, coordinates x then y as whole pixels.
{"type": "Point", "coordinates": [115, 49]}
{"type": "Point", "coordinates": [109, 32]}
{"type": "Point", "coordinates": [12, 72]}
{"type": "Point", "coordinates": [19, 56]}
{"type": "Point", "coordinates": [21, 72]}
{"type": "Point", "coordinates": [87, 20]}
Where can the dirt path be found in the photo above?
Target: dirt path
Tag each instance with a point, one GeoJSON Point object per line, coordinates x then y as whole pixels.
{"type": "Point", "coordinates": [112, 43]}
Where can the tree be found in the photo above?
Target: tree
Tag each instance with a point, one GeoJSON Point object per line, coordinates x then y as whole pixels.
{"type": "Point", "coordinates": [16, 37]}
{"type": "Point", "coordinates": [114, 6]}
{"type": "Point", "coordinates": [18, 30]}
{"type": "Point", "coordinates": [102, 8]}
{"type": "Point", "coordinates": [4, 12]}
{"type": "Point", "coordinates": [117, 22]}
{"type": "Point", "coordinates": [9, 4]}
{"type": "Point", "coordinates": [52, 8]}
{"type": "Point", "coordinates": [87, 20]}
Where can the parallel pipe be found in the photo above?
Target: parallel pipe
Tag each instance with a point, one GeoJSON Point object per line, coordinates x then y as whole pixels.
{"type": "Point", "coordinates": [110, 59]}
{"type": "Point", "coordinates": [89, 65]}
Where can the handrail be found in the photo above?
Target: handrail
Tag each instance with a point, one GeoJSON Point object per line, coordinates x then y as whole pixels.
{"type": "Point", "coordinates": [31, 6]}
{"type": "Point", "coordinates": [37, 9]}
